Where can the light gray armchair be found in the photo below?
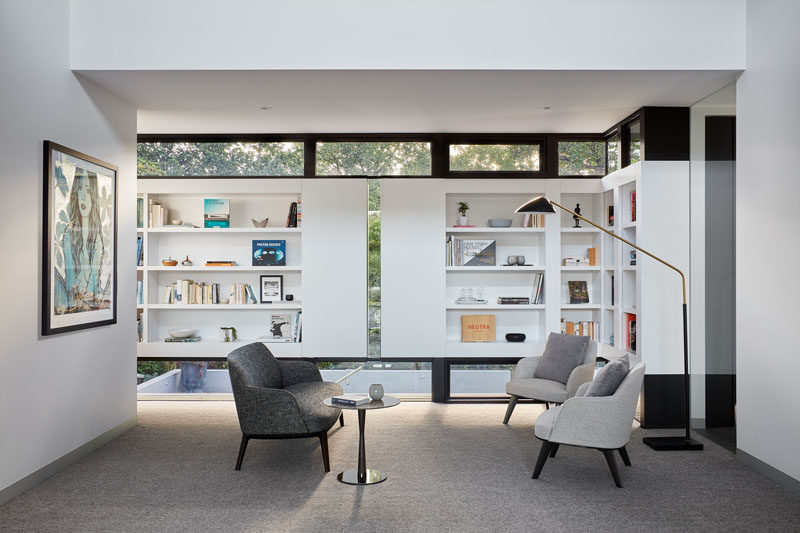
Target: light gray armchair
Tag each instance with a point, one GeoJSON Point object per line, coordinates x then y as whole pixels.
{"type": "Point", "coordinates": [601, 422]}
{"type": "Point", "coordinates": [524, 385]}
{"type": "Point", "coordinates": [280, 399]}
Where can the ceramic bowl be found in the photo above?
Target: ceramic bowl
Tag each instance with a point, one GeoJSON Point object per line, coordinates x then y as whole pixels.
{"type": "Point", "coordinates": [499, 222]}
{"type": "Point", "coordinates": [169, 262]}
{"type": "Point", "coordinates": [181, 333]}
{"type": "Point", "coordinates": [177, 222]}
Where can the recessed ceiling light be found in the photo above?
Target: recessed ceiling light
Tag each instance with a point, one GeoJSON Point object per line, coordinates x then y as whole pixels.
{"type": "Point", "coordinates": [265, 107]}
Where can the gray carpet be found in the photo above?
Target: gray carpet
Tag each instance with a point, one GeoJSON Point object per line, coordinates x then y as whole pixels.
{"type": "Point", "coordinates": [450, 467]}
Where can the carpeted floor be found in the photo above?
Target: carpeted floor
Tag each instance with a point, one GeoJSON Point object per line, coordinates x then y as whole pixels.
{"type": "Point", "coordinates": [451, 468]}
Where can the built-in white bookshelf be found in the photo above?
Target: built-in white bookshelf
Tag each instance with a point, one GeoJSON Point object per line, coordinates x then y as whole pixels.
{"type": "Point", "coordinates": [249, 199]}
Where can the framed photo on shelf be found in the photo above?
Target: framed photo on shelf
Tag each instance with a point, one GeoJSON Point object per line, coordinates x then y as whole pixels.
{"type": "Point", "coordinates": [79, 243]}
{"type": "Point", "coordinates": [271, 289]}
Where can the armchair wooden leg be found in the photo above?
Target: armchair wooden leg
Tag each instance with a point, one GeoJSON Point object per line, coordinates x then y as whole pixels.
{"type": "Point", "coordinates": [512, 402]}
{"type": "Point", "coordinates": [543, 453]}
{"type": "Point", "coordinates": [323, 444]}
{"type": "Point", "coordinates": [553, 449]}
{"type": "Point", "coordinates": [612, 465]}
{"type": "Point", "coordinates": [624, 454]}
{"type": "Point", "coordinates": [341, 420]}
{"type": "Point", "coordinates": [242, 448]}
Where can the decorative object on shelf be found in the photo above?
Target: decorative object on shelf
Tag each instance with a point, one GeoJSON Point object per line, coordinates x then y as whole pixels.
{"type": "Point", "coordinates": [376, 391]}
{"type": "Point", "coordinates": [280, 327]}
{"type": "Point", "coordinates": [540, 204]}
{"type": "Point", "coordinates": [515, 337]}
{"type": "Point", "coordinates": [79, 278]}
{"type": "Point", "coordinates": [269, 253]}
{"type": "Point", "coordinates": [633, 257]}
{"type": "Point", "coordinates": [260, 223]}
{"type": "Point", "coordinates": [187, 262]}
{"type": "Point", "coordinates": [513, 300]}
{"type": "Point", "coordinates": [578, 292]}
{"type": "Point", "coordinates": [466, 296]}
{"type": "Point", "coordinates": [193, 376]}
{"type": "Point", "coordinates": [499, 222]}
{"type": "Point", "coordinates": [216, 213]}
{"type": "Point", "coordinates": [520, 260]}
{"type": "Point", "coordinates": [169, 262]}
{"type": "Point", "coordinates": [478, 328]}
{"type": "Point", "coordinates": [271, 288]}
{"type": "Point", "coordinates": [289, 297]}
{"type": "Point", "coordinates": [229, 334]}
{"type": "Point", "coordinates": [463, 219]}
{"type": "Point", "coordinates": [478, 252]}
{"type": "Point", "coordinates": [180, 333]}
{"type": "Point", "coordinates": [176, 222]}
{"type": "Point", "coordinates": [577, 216]}
{"type": "Point", "coordinates": [512, 260]}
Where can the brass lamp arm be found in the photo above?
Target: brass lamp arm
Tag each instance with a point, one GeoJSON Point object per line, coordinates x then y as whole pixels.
{"type": "Point", "coordinates": [683, 278]}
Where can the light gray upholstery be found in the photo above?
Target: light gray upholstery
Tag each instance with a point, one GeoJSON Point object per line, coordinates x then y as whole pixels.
{"type": "Point", "coordinates": [608, 378]}
{"type": "Point", "coordinates": [597, 422]}
{"type": "Point", "coordinates": [524, 385]}
{"type": "Point", "coordinates": [279, 397]}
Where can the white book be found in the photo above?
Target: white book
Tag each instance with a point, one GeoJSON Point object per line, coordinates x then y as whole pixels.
{"type": "Point", "coordinates": [351, 399]}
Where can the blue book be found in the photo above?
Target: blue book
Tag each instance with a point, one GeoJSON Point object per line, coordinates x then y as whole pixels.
{"type": "Point", "coordinates": [216, 213]}
{"type": "Point", "coordinates": [269, 253]}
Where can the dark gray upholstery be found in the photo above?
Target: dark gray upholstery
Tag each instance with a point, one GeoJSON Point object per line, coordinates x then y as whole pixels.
{"type": "Point", "coordinates": [279, 397]}
{"type": "Point", "coordinates": [609, 377]}
{"type": "Point", "coordinates": [562, 354]}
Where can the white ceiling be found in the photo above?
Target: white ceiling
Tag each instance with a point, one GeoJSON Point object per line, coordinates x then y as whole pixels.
{"type": "Point", "coordinates": [399, 101]}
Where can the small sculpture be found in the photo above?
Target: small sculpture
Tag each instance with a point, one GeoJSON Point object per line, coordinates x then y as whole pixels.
{"type": "Point", "coordinates": [575, 217]}
{"type": "Point", "coordinates": [259, 223]}
{"type": "Point", "coordinates": [186, 262]}
{"type": "Point", "coordinates": [229, 333]}
{"type": "Point", "coordinates": [376, 391]}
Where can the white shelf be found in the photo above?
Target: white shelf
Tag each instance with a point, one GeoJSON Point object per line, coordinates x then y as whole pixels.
{"type": "Point", "coordinates": [634, 225]}
{"type": "Point", "coordinates": [500, 348]}
{"type": "Point", "coordinates": [223, 230]}
{"type": "Point", "coordinates": [630, 310]}
{"type": "Point", "coordinates": [579, 268]}
{"type": "Point", "coordinates": [225, 268]}
{"type": "Point", "coordinates": [504, 307]}
{"type": "Point", "coordinates": [494, 230]}
{"type": "Point", "coordinates": [581, 306]}
{"type": "Point", "coordinates": [580, 230]}
{"type": "Point", "coordinates": [610, 307]}
{"type": "Point", "coordinates": [629, 268]}
{"type": "Point", "coordinates": [222, 307]}
{"type": "Point", "coordinates": [211, 348]}
{"type": "Point", "coordinates": [495, 269]}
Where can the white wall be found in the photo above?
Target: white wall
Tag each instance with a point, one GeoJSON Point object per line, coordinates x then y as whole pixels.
{"type": "Point", "coordinates": [57, 393]}
{"type": "Point", "coordinates": [407, 34]}
{"type": "Point", "coordinates": [768, 238]}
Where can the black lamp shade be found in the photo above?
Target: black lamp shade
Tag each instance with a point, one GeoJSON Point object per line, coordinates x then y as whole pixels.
{"type": "Point", "coordinates": [540, 204]}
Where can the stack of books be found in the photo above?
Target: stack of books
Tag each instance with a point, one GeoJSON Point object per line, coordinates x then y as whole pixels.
{"type": "Point", "coordinates": [513, 300]}
{"type": "Point", "coordinates": [351, 400]}
{"type": "Point", "coordinates": [182, 339]}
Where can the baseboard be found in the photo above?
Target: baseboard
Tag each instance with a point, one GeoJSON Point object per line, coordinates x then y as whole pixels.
{"type": "Point", "coordinates": [28, 482]}
{"type": "Point", "coordinates": [784, 480]}
{"type": "Point", "coordinates": [698, 423]}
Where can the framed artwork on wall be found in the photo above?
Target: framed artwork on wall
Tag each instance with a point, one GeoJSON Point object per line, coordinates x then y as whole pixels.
{"type": "Point", "coordinates": [271, 289]}
{"type": "Point", "coordinates": [79, 242]}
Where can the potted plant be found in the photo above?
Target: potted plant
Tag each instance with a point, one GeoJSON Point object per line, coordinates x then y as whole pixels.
{"type": "Point", "coordinates": [463, 207]}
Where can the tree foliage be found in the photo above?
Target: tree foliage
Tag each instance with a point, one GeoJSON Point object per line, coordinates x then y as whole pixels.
{"type": "Point", "coordinates": [220, 159]}
{"type": "Point", "coordinates": [582, 158]}
{"type": "Point", "coordinates": [499, 157]}
{"type": "Point", "coordinates": [373, 159]}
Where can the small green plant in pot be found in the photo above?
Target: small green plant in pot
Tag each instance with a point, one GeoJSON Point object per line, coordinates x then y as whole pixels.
{"type": "Point", "coordinates": [463, 219]}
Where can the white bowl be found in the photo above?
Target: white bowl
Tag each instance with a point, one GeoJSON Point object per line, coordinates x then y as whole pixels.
{"type": "Point", "coordinates": [181, 333]}
{"type": "Point", "coordinates": [499, 222]}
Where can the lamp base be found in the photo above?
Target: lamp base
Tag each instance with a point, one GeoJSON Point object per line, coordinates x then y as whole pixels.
{"type": "Point", "coordinates": [664, 444]}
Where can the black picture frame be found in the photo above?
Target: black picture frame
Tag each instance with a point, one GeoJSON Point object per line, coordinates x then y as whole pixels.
{"type": "Point", "coordinates": [79, 241]}
{"type": "Point", "coordinates": [268, 297]}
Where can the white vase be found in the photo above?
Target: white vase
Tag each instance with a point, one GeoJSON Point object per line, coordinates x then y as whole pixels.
{"type": "Point", "coordinates": [463, 221]}
{"type": "Point", "coordinates": [376, 391]}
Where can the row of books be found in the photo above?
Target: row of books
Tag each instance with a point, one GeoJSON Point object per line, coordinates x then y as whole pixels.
{"type": "Point", "coordinates": [470, 252]}
{"type": "Point", "coordinates": [584, 329]}
{"type": "Point", "coordinates": [140, 212]}
{"type": "Point", "coordinates": [186, 291]}
{"type": "Point", "coordinates": [590, 259]}
{"type": "Point", "coordinates": [532, 220]}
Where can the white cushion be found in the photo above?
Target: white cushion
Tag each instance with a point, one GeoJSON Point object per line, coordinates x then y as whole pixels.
{"type": "Point", "coordinates": [540, 389]}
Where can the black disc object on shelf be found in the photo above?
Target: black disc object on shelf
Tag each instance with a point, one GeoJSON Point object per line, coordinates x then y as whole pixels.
{"type": "Point", "coordinates": [515, 337]}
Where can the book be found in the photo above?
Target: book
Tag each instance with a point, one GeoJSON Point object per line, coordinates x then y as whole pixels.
{"type": "Point", "coordinates": [478, 328]}
{"type": "Point", "coordinates": [140, 212]}
{"type": "Point", "coordinates": [538, 288]}
{"type": "Point", "coordinates": [610, 215]}
{"type": "Point", "coordinates": [513, 300]}
{"type": "Point", "coordinates": [592, 252]}
{"type": "Point", "coordinates": [182, 339]}
{"type": "Point", "coordinates": [578, 292]}
{"type": "Point", "coordinates": [575, 261]}
{"type": "Point", "coordinates": [216, 213]}
{"type": "Point", "coordinates": [351, 399]}
{"type": "Point", "coordinates": [280, 327]}
{"type": "Point", "coordinates": [477, 252]}
{"type": "Point", "coordinates": [630, 331]}
{"type": "Point", "coordinates": [633, 206]}
{"type": "Point", "coordinates": [220, 263]}
{"type": "Point", "coordinates": [269, 253]}
{"type": "Point", "coordinates": [291, 219]}
{"type": "Point", "coordinates": [139, 251]}
{"type": "Point", "coordinates": [612, 289]}
{"type": "Point", "coordinates": [464, 226]}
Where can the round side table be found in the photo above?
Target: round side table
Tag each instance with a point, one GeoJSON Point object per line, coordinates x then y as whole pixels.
{"type": "Point", "coordinates": [363, 475]}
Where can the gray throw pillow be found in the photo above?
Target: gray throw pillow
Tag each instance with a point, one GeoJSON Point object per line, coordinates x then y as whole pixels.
{"type": "Point", "coordinates": [607, 380]}
{"type": "Point", "coordinates": [561, 356]}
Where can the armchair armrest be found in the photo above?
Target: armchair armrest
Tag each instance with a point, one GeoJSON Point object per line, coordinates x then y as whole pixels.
{"type": "Point", "coordinates": [298, 372]}
{"type": "Point", "coordinates": [526, 367]}
{"type": "Point", "coordinates": [582, 389]}
{"type": "Point", "coordinates": [579, 375]}
{"type": "Point", "coordinates": [593, 421]}
{"type": "Point", "coordinates": [265, 411]}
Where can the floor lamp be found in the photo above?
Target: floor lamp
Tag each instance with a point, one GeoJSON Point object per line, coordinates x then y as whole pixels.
{"type": "Point", "coordinates": [540, 204]}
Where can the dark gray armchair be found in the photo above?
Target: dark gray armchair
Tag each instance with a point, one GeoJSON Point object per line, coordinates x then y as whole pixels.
{"type": "Point", "coordinates": [280, 399]}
